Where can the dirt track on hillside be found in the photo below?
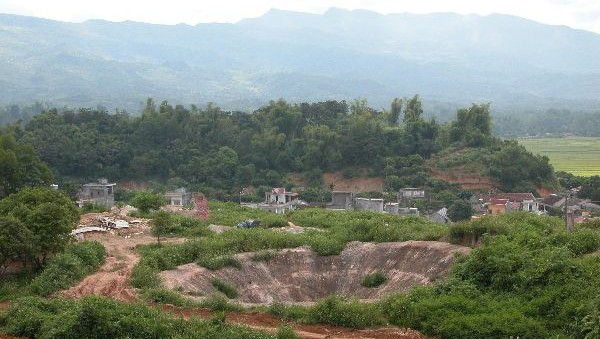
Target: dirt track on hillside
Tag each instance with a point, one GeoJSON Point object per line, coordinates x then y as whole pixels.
{"type": "Point", "coordinates": [112, 279]}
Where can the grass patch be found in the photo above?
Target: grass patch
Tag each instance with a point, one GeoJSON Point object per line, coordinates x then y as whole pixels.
{"type": "Point", "coordinates": [99, 317]}
{"type": "Point", "coordinates": [263, 256]}
{"type": "Point", "coordinates": [68, 267]}
{"type": "Point", "coordinates": [164, 296]}
{"type": "Point", "coordinates": [286, 332]}
{"type": "Point", "coordinates": [215, 263]}
{"type": "Point", "coordinates": [373, 280]}
{"type": "Point", "coordinates": [217, 303]}
{"type": "Point", "coordinates": [225, 288]}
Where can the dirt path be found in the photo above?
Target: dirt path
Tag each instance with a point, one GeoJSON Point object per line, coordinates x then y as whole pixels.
{"type": "Point", "coordinates": [270, 323]}
{"type": "Point", "coordinates": [112, 279]}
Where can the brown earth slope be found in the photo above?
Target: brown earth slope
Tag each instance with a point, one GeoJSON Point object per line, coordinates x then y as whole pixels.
{"type": "Point", "coordinates": [300, 275]}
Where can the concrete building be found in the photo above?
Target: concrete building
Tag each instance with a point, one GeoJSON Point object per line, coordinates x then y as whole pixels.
{"type": "Point", "coordinates": [341, 200]}
{"type": "Point", "coordinates": [101, 193]}
{"type": "Point", "coordinates": [497, 206]}
{"type": "Point", "coordinates": [409, 193]}
{"type": "Point", "coordinates": [279, 201]}
{"type": "Point", "coordinates": [391, 207]}
{"type": "Point", "coordinates": [280, 196]}
{"type": "Point", "coordinates": [530, 206]}
{"type": "Point", "coordinates": [366, 204]}
{"type": "Point", "coordinates": [409, 211]}
{"type": "Point", "coordinates": [178, 197]}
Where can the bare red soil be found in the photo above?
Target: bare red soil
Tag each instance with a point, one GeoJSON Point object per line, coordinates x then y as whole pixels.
{"type": "Point", "coordinates": [468, 181]}
{"type": "Point", "coordinates": [112, 279]}
{"type": "Point", "coordinates": [359, 184]}
{"type": "Point", "coordinates": [270, 323]}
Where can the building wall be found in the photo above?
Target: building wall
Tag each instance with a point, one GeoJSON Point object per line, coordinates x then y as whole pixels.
{"type": "Point", "coordinates": [496, 209]}
{"type": "Point", "coordinates": [341, 198]}
{"type": "Point", "coordinates": [374, 205]}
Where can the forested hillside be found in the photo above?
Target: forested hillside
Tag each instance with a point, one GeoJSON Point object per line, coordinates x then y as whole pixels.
{"type": "Point", "coordinates": [219, 152]}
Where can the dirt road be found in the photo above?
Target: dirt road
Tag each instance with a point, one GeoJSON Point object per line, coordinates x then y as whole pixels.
{"type": "Point", "coordinates": [112, 279]}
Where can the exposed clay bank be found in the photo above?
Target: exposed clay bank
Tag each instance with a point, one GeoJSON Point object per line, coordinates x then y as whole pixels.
{"type": "Point", "coordinates": [300, 275]}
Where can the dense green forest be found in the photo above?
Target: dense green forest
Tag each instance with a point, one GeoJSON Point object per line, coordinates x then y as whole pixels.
{"type": "Point", "coordinates": [220, 152]}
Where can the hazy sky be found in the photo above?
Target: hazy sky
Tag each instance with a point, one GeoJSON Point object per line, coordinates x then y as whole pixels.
{"type": "Point", "coordinates": [584, 14]}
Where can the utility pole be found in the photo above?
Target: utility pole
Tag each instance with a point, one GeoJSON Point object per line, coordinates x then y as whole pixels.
{"type": "Point", "coordinates": [568, 214]}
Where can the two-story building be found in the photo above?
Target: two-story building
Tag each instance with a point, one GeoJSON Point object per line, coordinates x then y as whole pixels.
{"type": "Point", "coordinates": [101, 193]}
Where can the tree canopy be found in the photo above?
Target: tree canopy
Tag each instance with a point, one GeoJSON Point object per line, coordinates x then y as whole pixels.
{"type": "Point", "coordinates": [41, 217]}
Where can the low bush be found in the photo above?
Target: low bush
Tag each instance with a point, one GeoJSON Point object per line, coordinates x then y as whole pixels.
{"type": "Point", "coordinates": [373, 280]}
{"type": "Point", "coordinates": [144, 276]}
{"type": "Point", "coordinates": [98, 317]}
{"type": "Point", "coordinates": [218, 303]}
{"type": "Point", "coordinates": [164, 296]}
{"type": "Point", "coordinates": [286, 332]}
{"type": "Point", "coordinates": [68, 267]}
{"type": "Point", "coordinates": [225, 288]}
{"type": "Point", "coordinates": [335, 310]}
{"type": "Point", "coordinates": [263, 256]}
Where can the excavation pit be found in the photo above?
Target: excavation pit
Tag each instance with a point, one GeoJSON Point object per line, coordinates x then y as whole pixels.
{"type": "Point", "coordinates": [300, 275]}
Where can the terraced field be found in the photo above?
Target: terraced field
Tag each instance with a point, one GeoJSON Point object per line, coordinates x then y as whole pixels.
{"type": "Point", "coordinates": [577, 155]}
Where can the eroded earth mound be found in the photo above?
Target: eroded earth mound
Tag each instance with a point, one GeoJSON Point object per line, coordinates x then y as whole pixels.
{"type": "Point", "coordinates": [300, 275]}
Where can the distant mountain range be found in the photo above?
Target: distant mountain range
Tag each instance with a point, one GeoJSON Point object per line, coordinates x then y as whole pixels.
{"type": "Point", "coordinates": [340, 54]}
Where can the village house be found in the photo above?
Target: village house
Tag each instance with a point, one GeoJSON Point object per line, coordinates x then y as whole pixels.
{"type": "Point", "coordinates": [500, 203]}
{"type": "Point", "coordinates": [496, 206]}
{"type": "Point", "coordinates": [409, 193]}
{"type": "Point", "coordinates": [368, 204]}
{"type": "Point", "coordinates": [341, 200]}
{"type": "Point", "coordinates": [101, 193]}
{"type": "Point", "coordinates": [178, 197]}
{"type": "Point", "coordinates": [278, 200]}
{"type": "Point", "coordinates": [411, 211]}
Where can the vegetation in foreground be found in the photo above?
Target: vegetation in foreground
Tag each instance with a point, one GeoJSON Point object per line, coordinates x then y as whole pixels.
{"type": "Point", "coordinates": [529, 278]}
{"type": "Point", "coordinates": [99, 317]}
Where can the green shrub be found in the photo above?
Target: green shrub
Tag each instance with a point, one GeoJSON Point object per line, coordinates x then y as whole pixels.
{"type": "Point", "coordinates": [225, 288]}
{"type": "Point", "coordinates": [325, 244]}
{"type": "Point", "coordinates": [286, 332]}
{"type": "Point", "coordinates": [68, 267]}
{"type": "Point", "coordinates": [144, 276]}
{"type": "Point", "coordinates": [349, 313]}
{"type": "Point", "coordinates": [289, 312]}
{"type": "Point", "coordinates": [98, 317]}
{"type": "Point", "coordinates": [164, 296]}
{"type": "Point", "coordinates": [579, 242]}
{"type": "Point", "coordinates": [263, 256]}
{"type": "Point", "coordinates": [215, 263]}
{"type": "Point", "coordinates": [373, 280]}
{"type": "Point", "coordinates": [218, 303]}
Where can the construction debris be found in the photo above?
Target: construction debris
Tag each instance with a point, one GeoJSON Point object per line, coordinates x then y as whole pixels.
{"type": "Point", "coordinates": [115, 224]}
